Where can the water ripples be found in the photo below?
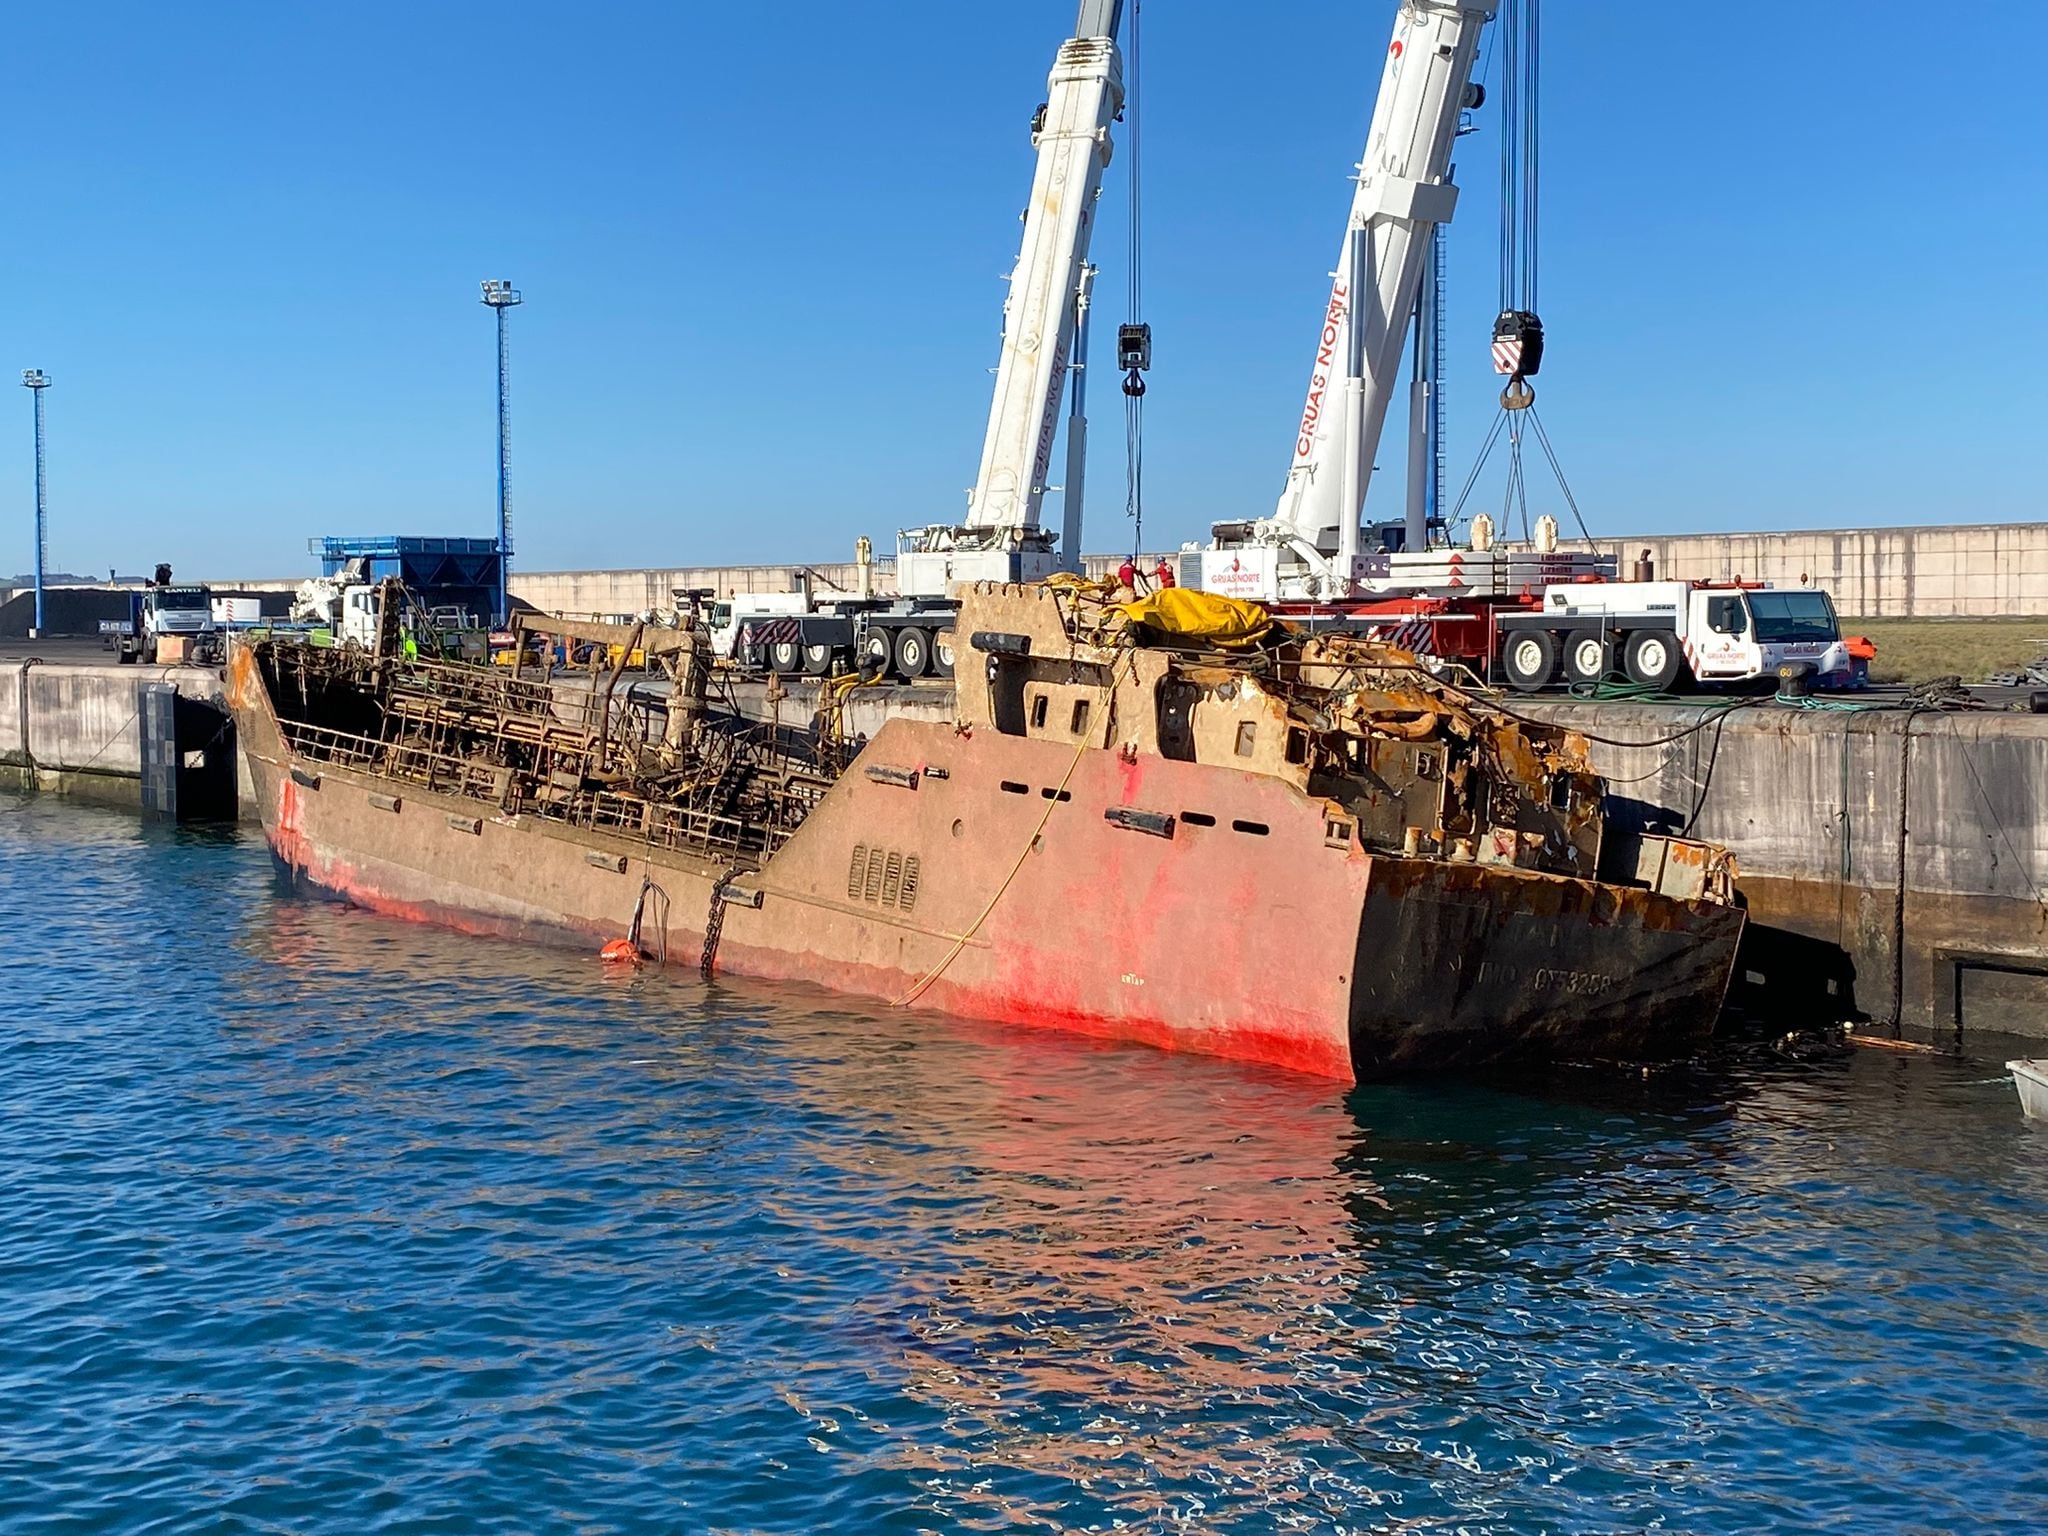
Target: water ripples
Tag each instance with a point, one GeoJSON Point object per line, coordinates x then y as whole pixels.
{"type": "Point", "coordinates": [311, 1221]}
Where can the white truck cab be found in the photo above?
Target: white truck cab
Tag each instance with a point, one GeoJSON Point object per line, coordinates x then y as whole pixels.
{"type": "Point", "coordinates": [182, 613]}
{"type": "Point", "coordinates": [1655, 632]}
{"type": "Point", "coordinates": [358, 621]}
{"type": "Point", "coordinates": [755, 612]}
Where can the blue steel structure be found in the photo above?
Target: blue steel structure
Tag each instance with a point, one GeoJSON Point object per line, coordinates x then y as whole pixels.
{"type": "Point", "coordinates": [36, 381]}
{"type": "Point", "coordinates": [500, 295]}
{"type": "Point", "coordinates": [444, 573]}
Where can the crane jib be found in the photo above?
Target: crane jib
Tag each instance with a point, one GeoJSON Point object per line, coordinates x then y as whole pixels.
{"type": "Point", "coordinates": [1072, 137]}
{"type": "Point", "coordinates": [1403, 189]}
{"type": "Point", "coordinates": [1326, 357]}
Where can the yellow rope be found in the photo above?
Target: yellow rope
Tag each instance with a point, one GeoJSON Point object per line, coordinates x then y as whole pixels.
{"type": "Point", "coordinates": [962, 942]}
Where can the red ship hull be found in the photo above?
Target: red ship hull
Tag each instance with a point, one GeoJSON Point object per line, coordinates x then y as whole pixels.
{"type": "Point", "coordinates": [1022, 881]}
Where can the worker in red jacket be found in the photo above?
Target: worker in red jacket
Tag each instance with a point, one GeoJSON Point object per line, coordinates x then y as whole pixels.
{"type": "Point", "coordinates": [1164, 574]}
{"type": "Point", "coordinates": [1127, 576]}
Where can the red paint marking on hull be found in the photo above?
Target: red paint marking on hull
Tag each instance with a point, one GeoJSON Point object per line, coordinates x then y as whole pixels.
{"type": "Point", "coordinates": [1318, 1053]}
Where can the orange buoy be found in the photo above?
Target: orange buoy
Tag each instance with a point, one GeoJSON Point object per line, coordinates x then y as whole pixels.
{"type": "Point", "coordinates": [620, 952]}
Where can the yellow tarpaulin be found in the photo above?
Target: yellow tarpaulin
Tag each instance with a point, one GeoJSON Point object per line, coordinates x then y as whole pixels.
{"type": "Point", "coordinates": [1203, 616]}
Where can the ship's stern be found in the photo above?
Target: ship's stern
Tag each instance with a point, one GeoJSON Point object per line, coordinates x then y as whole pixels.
{"type": "Point", "coordinates": [1463, 964]}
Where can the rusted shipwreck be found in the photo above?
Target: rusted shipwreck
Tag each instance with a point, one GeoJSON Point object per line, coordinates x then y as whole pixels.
{"type": "Point", "coordinates": [1219, 836]}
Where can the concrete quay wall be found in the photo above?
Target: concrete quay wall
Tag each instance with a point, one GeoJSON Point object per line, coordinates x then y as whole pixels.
{"type": "Point", "coordinates": [77, 730]}
{"type": "Point", "coordinates": [1895, 858]}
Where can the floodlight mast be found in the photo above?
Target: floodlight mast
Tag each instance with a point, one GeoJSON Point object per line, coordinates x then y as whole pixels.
{"type": "Point", "coordinates": [36, 381]}
{"type": "Point", "coordinates": [500, 295]}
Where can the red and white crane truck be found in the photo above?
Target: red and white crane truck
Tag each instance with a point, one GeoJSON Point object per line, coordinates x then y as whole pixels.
{"type": "Point", "coordinates": [1530, 615]}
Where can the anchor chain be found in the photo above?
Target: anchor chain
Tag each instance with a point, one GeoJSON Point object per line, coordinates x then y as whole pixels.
{"type": "Point", "coordinates": [714, 926]}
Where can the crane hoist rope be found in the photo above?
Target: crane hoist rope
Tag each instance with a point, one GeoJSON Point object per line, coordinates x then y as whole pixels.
{"type": "Point", "coordinates": [1518, 333]}
{"type": "Point", "coordinates": [1134, 337]}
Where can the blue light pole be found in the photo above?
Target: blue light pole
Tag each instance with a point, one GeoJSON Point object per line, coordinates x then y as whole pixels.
{"type": "Point", "coordinates": [35, 381]}
{"type": "Point", "coordinates": [501, 296]}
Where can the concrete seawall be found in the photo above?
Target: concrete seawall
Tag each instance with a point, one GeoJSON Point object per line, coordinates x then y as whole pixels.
{"type": "Point", "coordinates": [1985, 570]}
{"type": "Point", "coordinates": [77, 730]}
{"type": "Point", "coordinates": [1932, 572]}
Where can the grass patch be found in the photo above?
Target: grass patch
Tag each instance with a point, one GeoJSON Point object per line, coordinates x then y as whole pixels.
{"type": "Point", "coordinates": [1918, 650]}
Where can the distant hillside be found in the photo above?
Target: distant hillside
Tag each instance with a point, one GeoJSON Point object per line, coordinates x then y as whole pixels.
{"type": "Point", "coordinates": [53, 579]}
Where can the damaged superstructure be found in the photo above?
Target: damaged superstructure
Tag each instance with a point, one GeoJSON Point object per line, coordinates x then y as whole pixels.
{"type": "Point", "coordinates": [1171, 821]}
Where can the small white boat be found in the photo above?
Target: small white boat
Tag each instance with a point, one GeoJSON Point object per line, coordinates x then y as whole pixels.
{"type": "Point", "coordinates": [2031, 1078]}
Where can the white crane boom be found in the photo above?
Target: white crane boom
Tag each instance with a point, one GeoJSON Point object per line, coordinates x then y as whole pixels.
{"type": "Point", "coordinates": [1000, 538]}
{"type": "Point", "coordinates": [1308, 548]}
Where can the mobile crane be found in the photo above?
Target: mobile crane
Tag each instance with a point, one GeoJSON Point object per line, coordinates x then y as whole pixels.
{"type": "Point", "coordinates": [1308, 549]}
{"type": "Point", "coordinates": [1001, 538]}
{"type": "Point", "coordinates": [1044, 341]}
{"type": "Point", "coordinates": [1532, 616]}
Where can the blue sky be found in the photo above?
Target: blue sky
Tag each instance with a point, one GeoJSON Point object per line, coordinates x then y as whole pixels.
{"type": "Point", "coordinates": [1792, 277]}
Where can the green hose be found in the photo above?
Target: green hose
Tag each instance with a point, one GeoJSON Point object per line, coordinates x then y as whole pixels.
{"type": "Point", "coordinates": [1634, 693]}
{"type": "Point", "coordinates": [1644, 693]}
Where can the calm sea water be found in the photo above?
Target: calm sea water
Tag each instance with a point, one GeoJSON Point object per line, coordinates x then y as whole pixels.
{"type": "Point", "coordinates": [315, 1222]}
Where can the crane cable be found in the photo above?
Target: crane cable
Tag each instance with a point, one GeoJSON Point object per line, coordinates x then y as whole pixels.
{"type": "Point", "coordinates": [1134, 383]}
{"type": "Point", "coordinates": [1519, 37]}
{"type": "Point", "coordinates": [1520, 163]}
{"type": "Point", "coordinates": [1517, 229]}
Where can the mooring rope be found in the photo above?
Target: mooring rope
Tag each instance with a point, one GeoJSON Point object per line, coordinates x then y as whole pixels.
{"type": "Point", "coordinates": [1052, 801]}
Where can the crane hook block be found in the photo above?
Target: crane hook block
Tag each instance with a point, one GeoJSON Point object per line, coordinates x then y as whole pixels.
{"type": "Point", "coordinates": [1134, 348]}
{"type": "Point", "coordinates": [1134, 356]}
{"type": "Point", "coordinates": [1517, 344]}
{"type": "Point", "coordinates": [1518, 396]}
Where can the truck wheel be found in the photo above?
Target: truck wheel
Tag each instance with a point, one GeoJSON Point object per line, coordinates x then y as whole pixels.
{"type": "Point", "coordinates": [1587, 656]}
{"type": "Point", "coordinates": [913, 651]}
{"type": "Point", "coordinates": [942, 652]}
{"type": "Point", "coordinates": [786, 656]}
{"type": "Point", "coordinates": [1651, 657]}
{"type": "Point", "coordinates": [875, 648]}
{"type": "Point", "coordinates": [817, 659]}
{"type": "Point", "coordinates": [1530, 659]}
